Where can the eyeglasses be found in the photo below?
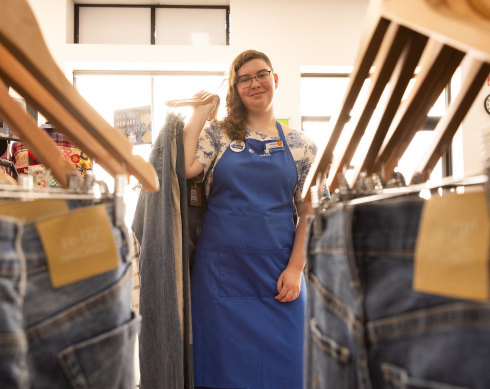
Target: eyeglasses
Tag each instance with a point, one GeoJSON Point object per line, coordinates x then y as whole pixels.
{"type": "Point", "coordinates": [246, 81]}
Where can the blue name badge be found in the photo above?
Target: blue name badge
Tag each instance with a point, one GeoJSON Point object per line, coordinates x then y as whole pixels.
{"type": "Point", "coordinates": [274, 146]}
{"type": "Point", "coordinates": [237, 146]}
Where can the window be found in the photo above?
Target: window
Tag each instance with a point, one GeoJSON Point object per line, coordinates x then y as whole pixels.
{"type": "Point", "coordinates": [321, 99]}
{"type": "Point", "coordinates": [108, 93]}
{"type": "Point", "coordinates": [152, 24]}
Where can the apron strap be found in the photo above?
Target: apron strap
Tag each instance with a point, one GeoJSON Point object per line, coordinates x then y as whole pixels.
{"type": "Point", "coordinates": [281, 133]}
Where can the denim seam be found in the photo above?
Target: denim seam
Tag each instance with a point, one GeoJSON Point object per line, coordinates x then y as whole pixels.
{"type": "Point", "coordinates": [22, 262]}
{"type": "Point", "coordinates": [66, 316]}
{"type": "Point", "coordinates": [75, 383]}
{"type": "Point", "coordinates": [349, 248]}
{"type": "Point", "coordinates": [128, 242]}
{"type": "Point", "coordinates": [336, 306]}
{"type": "Point", "coordinates": [327, 250]}
{"type": "Point", "coordinates": [449, 314]}
{"type": "Point", "coordinates": [337, 352]}
{"type": "Point", "coordinates": [15, 341]}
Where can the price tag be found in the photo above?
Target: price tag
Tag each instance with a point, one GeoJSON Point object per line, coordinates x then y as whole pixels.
{"type": "Point", "coordinates": [452, 250]}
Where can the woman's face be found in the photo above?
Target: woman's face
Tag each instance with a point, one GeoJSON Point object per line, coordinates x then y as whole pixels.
{"type": "Point", "coordinates": [258, 94]}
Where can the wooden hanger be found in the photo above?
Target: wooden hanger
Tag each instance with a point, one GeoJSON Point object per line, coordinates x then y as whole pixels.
{"type": "Point", "coordinates": [452, 30]}
{"type": "Point", "coordinates": [475, 75]}
{"type": "Point", "coordinates": [395, 40]}
{"type": "Point", "coordinates": [401, 77]}
{"type": "Point", "coordinates": [435, 74]}
{"type": "Point", "coordinates": [468, 33]}
{"type": "Point", "coordinates": [364, 61]}
{"type": "Point", "coordinates": [33, 92]}
{"type": "Point", "coordinates": [35, 138]}
{"type": "Point", "coordinates": [27, 45]}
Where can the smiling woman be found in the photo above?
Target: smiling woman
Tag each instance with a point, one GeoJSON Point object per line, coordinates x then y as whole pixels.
{"type": "Point", "coordinates": [247, 285]}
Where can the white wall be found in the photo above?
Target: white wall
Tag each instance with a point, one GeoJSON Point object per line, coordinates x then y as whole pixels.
{"type": "Point", "coordinates": [294, 33]}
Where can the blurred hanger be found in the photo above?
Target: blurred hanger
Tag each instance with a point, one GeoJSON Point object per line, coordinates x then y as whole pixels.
{"type": "Point", "coordinates": [27, 46]}
{"type": "Point", "coordinates": [401, 77]}
{"type": "Point", "coordinates": [475, 75]}
{"type": "Point", "coordinates": [24, 83]}
{"type": "Point", "coordinates": [35, 138]}
{"type": "Point", "coordinates": [369, 49]}
{"type": "Point", "coordinates": [452, 31]}
{"type": "Point", "coordinates": [436, 72]}
{"type": "Point", "coordinates": [390, 51]}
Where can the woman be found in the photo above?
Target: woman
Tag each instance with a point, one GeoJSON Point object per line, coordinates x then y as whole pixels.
{"type": "Point", "coordinates": [248, 290]}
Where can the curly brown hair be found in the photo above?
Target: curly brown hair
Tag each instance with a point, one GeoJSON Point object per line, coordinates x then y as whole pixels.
{"type": "Point", "coordinates": [234, 122]}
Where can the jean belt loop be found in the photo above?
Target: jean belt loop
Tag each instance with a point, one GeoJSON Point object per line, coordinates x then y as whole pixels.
{"type": "Point", "coordinates": [349, 246]}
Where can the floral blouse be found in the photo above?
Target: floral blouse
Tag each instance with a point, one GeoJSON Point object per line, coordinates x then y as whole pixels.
{"type": "Point", "coordinates": [213, 142]}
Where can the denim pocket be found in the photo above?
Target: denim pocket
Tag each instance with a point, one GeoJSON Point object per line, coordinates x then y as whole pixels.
{"type": "Point", "coordinates": [331, 361]}
{"type": "Point", "coordinates": [250, 272]}
{"type": "Point", "coordinates": [103, 362]}
{"type": "Point", "coordinates": [398, 378]}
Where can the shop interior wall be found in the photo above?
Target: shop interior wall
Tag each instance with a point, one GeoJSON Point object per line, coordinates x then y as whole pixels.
{"type": "Point", "coordinates": [296, 34]}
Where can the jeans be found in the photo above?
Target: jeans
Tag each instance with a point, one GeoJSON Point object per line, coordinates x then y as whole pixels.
{"type": "Point", "coordinates": [367, 327]}
{"type": "Point", "coordinates": [165, 342]}
{"type": "Point", "coordinates": [13, 343]}
{"type": "Point", "coordinates": [81, 335]}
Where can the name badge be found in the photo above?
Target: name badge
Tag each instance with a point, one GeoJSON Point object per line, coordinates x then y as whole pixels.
{"type": "Point", "coordinates": [237, 146]}
{"type": "Point", "coordinates": [271, 147]}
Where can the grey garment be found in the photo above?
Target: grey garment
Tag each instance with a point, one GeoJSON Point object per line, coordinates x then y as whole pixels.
{"type": "Point", "coordinates": [165, 342]}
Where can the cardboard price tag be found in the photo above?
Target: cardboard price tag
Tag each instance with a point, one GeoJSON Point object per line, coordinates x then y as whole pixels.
{"type": "Point", "coordinates": [78, 244]}
{"type": "Point", "coordinates": [452, 250]}
{"type": "Point", "coordinates": [30, 210]}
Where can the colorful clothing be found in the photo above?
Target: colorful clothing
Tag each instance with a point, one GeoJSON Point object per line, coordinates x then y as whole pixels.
{"type": "Point", "coordinates": [26, 163]}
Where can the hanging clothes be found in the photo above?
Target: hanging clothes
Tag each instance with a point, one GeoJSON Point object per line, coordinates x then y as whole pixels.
{"type": "Point", "coordinates": [81, 333]}
{"type": "Point", "coordinates": [243, 337]}
{"type": "Point", "coordinates": [160, 225]}
{"type": "Point", "coordinates": [27, 163]}
{"type": "Point", "coordinates": [367, 327]}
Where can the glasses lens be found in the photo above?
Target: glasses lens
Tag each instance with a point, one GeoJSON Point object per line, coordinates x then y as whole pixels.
{"type": "Point", "coordinates": [243, 82]}
{"type": "Point", "coordinates": [262, 75]}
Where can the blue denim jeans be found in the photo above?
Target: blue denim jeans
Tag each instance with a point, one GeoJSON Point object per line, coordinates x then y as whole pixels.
{"type": "Point", "coordinates": [367, 327]}
{"type": "Point", "coordinates": [13, 343]}
{"type": "Point", "coordinates": [81, 335]}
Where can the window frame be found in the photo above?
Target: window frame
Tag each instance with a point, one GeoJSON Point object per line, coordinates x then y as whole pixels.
{"type": "Point", "coordinates": [76, 28]}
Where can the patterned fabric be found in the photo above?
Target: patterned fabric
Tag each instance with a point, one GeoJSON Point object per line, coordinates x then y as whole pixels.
{"type": "Point", "coordinates": [24, 160]}
{"type": "Point", "coordinates": [213, 142]}
{"type": "Point", "coordinates": [20, 157]}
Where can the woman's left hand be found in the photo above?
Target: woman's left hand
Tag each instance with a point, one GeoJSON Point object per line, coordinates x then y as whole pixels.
{"type": "Point", "coordinates": [288, 285]}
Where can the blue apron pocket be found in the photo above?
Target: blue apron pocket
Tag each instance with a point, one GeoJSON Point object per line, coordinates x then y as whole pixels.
{"type": "Point", "coordinates": [250, 272]}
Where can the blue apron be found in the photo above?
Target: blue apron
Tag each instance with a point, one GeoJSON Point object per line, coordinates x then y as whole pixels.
{"type": "Point", "coordinates": [243, 337]}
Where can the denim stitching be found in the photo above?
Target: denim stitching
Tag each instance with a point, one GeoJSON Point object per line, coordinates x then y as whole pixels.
{"type": "Point", "coordinates": [13, 340]}
{"type": "Point", "coordinates": [336, 306]}
{"type": "Point", "coordinates": [338, 352]}
{"type": "Point", "coordinates": [419, 321]}
{"type": "Point", "coordinates": [68, 315]}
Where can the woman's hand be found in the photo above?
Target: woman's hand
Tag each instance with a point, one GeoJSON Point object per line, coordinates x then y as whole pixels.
{"type": "Point", "coordinates": [288, 285]}
{"type": "Point", "coordinates": [202, 101]}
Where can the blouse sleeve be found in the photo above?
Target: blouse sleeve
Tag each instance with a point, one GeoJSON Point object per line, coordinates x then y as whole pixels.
{"type": "Point", "coordinates": [304, 160]}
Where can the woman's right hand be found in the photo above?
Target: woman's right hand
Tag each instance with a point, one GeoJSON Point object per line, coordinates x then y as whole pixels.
{"type": "Point", "coordinates": [206, 101]}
